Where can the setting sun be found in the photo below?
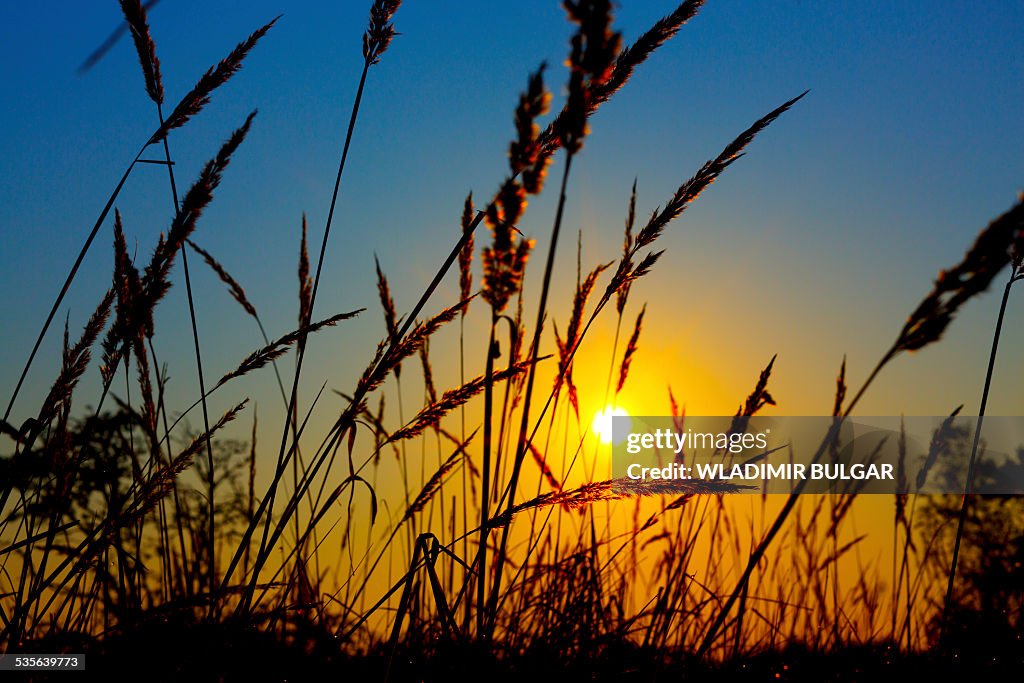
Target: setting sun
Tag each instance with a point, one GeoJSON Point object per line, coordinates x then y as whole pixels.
{"type": "Point", "coordinates": [461, 254]}
{"type": "Point", "coordinates": [602, 424]}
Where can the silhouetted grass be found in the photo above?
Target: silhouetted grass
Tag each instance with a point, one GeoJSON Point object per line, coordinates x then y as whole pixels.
{"type": "Point", "coordinates": [108, 547]}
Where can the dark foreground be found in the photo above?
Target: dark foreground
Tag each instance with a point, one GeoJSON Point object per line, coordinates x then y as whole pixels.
{"type": "Point", "coordinates": [204, 652]}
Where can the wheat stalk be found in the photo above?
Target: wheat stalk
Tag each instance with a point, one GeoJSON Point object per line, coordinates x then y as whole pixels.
{"type": "Point", "coordinates": [217, 75]}
{"type": "Point", "coordinates": [631, 346]}
{"type": "Point", "coordinates": [235, 289]}
{"type": "Point", "coordinates": [135, 17]}
{"type": "Point", "coordinates": [450, 400]}
{"type": "Point", "coordinates": [277, 348]}
{"type": "Point", "coordinates": [617, 489]}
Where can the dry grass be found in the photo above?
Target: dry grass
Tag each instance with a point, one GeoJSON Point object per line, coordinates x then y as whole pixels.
{"type": "Point", "coordinates": [104, 538]}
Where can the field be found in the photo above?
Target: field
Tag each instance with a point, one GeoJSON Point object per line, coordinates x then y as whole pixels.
{"type": "Point", "coordinates": [397, 466]}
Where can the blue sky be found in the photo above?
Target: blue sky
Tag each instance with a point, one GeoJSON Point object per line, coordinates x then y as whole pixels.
{"type": "Point", "coordinates": [816, 244]}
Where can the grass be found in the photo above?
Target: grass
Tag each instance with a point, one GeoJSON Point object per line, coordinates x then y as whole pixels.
{"type": "Point", "coordinates": [500, 557]}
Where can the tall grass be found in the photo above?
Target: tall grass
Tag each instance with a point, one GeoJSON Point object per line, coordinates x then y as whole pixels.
{"type": "Point", "coordinates": [507, 546]}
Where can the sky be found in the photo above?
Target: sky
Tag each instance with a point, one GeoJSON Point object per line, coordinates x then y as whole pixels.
{"type": "Point", "coordinates": [814, 246]}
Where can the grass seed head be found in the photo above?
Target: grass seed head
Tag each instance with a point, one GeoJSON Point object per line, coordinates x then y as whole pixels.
{"type": "Point", "coordinates": [135, 16]}
{"type": "Point", "coordinates": [379, 33]}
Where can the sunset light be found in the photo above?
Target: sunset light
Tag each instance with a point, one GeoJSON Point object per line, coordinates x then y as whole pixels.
{"type": "Point", "coordinates": [302, 394]}
{"type": "Point", "coordinates": [602, 424]}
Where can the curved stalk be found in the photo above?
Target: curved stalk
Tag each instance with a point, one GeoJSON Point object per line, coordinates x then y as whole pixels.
{"type": "Point", "coordinates": [969, 483]}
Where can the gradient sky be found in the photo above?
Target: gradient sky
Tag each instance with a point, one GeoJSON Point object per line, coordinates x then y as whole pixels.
{"type": "Point", "coordinates": [817, 244]}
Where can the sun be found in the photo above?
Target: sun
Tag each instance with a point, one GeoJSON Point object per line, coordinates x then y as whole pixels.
{"type": "Point", "coordinates": [602, 424]}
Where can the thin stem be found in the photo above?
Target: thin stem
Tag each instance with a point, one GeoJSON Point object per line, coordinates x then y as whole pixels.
{"type": "Point", "coordinates": [462, 435]}
{"type": "Point", "coordinates": [969, 484]}
{"type": "Point", "coordinates": [281, 464]}
{"type": "Point", "coordinates": [67, 283]}
{"type": "Point", "coordinates": [481, 558]}
{"type": "Point", "coordinates": [780, 519]}
{"type": "Point", "coordinates": [534, 352]}
{"type": "Point", "coordinates": [211, 483]}
{"type": "Point", "coordinates": [347, 418]}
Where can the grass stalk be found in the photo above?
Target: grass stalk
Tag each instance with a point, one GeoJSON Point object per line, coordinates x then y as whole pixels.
{"type": "Point", "coordinates": [210, 483]}
{"type": "Point", "coordinates": [972, 463]}
{"type": "Point", "coordinates": [521, 443]}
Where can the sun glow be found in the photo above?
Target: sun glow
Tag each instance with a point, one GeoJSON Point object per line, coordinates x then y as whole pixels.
{"type": "Point", "coordinates": [602, 424]}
